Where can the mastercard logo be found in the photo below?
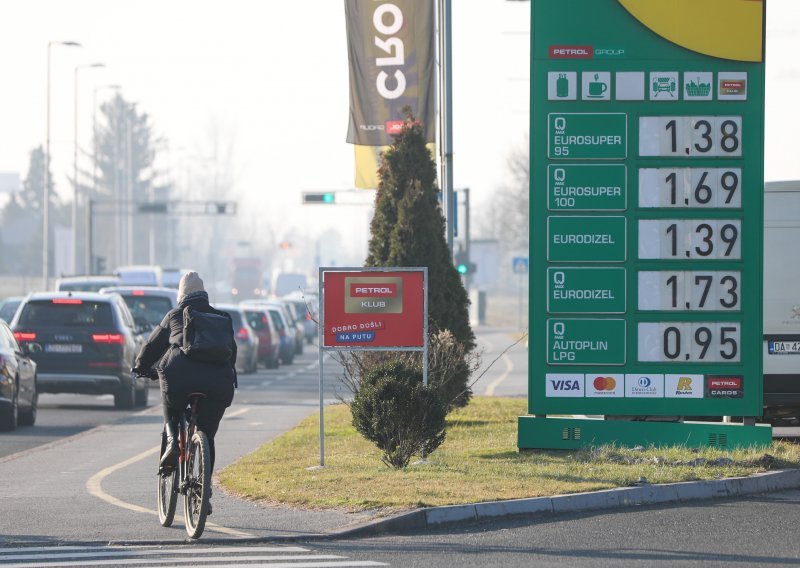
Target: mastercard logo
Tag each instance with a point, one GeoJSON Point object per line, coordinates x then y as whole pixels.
{"type": "Point", "coordinates": [605, 383]}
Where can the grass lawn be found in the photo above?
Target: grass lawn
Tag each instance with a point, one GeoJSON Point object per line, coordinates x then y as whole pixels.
{"type": "Point", "coordinates": [479, 461]}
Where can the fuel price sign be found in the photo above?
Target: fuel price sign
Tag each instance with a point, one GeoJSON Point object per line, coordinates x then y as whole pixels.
{"type": "Point", "coordinates": [646, 207]}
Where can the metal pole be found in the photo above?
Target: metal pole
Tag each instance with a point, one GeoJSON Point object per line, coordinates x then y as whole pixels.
{"type": "Point", "coordinates": [445, 116]}
{"type": "Point", "coordinates": [129, 218]}
{"type": "Point", "coordinates": [45, 191]}
{"type": "Point", "coordinates": [468, 275]}
{"type": "Point", "coordinates": [320, 333]}
{"type": "Point", "coordinates": [76, 189]}
{"type": "Point", "coordinates": [89, 235]}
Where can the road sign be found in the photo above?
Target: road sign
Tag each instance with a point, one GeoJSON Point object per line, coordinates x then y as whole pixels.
{"type": "Point", "coordinates": [519, 265]}
{"type": "Point", "coordinates": [646, 207]}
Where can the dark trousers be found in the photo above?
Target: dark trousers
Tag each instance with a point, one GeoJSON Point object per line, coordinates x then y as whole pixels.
{"type": "Point", "coordinates": [209, 414]}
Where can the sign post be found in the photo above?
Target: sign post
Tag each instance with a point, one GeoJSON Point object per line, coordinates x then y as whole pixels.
{"type": "Point", "coordinates": [647, 222]}
{"type": "Point", "coordinates": [371, 309]}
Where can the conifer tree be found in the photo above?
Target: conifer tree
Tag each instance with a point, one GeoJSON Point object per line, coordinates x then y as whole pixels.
{"type": "Point", "coordinates": [408, 229]}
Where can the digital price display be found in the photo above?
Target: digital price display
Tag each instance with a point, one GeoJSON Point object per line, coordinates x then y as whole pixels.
{"type": "Point", "coordinates": [646, 207]}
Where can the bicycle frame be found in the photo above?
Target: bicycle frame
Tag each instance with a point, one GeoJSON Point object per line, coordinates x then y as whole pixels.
{"type": "Point", "coordinates": [188, 426]}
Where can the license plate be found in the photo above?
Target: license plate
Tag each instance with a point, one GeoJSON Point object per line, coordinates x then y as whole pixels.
{"type": "Point", "coordinates": [784, 347]}
{"type": "Point", "coordinates": [63, 348]}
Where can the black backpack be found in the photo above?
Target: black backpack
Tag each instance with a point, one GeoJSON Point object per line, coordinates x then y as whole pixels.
{"type": "Point", "coordinates": [207, 337]}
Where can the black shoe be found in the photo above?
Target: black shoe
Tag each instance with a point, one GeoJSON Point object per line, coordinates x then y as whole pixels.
{"type": "Point", "coordinates": [170, 457]}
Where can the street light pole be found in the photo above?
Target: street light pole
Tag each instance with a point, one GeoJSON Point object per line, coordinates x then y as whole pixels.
{"type": "Point", "coordinates": [88, 252]}
{"type": "Point", "coordinates": [76, 190]}
{"type": "Point", "coordinates": [46, 189]}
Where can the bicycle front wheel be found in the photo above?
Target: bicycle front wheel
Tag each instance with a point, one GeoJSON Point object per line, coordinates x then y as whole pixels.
{"type": "Point", "coordinates": [198, 485]}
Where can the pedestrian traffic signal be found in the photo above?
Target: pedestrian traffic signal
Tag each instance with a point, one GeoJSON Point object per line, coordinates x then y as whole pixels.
{"type": "Point", "coordinates": [318, 197]}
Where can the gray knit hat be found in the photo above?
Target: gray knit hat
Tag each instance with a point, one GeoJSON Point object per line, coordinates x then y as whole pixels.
{"type": "Point", "coordinates": [190, 283]}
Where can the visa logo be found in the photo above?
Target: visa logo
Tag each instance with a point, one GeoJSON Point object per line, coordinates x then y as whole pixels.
{"type": "Point", "coordinates": [566, 385]}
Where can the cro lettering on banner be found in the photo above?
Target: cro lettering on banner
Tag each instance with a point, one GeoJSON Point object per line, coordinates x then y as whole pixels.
{"type": "Point", "coordinates": [370, 309]}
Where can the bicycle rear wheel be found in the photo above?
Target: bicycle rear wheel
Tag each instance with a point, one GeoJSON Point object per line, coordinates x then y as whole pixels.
{"type": "Point", "coordinates": [167, 491]}
{"type": "Point", "coordinates": [198, 485]}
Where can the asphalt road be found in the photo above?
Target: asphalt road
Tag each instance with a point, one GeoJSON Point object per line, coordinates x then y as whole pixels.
{"type": "Point", "coordinates": [757, 531]}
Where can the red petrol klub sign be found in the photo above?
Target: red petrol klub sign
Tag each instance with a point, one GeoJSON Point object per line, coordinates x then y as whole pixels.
{"type": "Point", "coordinates": [374, 309]}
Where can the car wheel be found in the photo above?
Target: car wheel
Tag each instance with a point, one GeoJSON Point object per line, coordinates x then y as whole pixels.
{"type": "Point", "coordinates": [126, 397]}
{"type": "Point", "coordinates": [142, 396]}
{"type": "Point", "coordinates": [28, 417]}
{"type": "Point", "coordinates": [8, 420]}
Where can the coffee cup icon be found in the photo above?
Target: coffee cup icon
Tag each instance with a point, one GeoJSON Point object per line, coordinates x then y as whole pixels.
{"type": "Point", "coordinates": [597, 88]}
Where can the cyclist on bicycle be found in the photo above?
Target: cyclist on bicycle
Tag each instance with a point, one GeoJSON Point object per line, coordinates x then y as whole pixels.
{"type": "Point", "coordinates": [179, 375]}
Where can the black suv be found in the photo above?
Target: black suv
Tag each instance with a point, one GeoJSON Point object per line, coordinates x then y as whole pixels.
{"type": "Point", "coordinates": [84, 343]}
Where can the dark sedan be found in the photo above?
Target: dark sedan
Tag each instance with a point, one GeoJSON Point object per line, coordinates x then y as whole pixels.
{"type": "Point", "coordinates": [83, 343]}
{"type": "Point", "coordinates": [18, 396]}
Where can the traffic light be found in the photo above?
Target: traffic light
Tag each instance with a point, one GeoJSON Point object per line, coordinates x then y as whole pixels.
{"type": "Point", "coordinates": [463, 265]}
{"type": "Point", "coordinates": [319, 197]}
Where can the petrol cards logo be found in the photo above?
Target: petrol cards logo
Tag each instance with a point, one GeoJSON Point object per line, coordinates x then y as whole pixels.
{"type": "Point", "coordinates": [563, 385]}
{"type": "Point", "coordinates": [644, 386]}
{"type": "Point", "coordinates": [605, 386]}
{"type": "Point", "coordinates": [725, 386]}
{"type": "Point", "coordinates": [683, 386]}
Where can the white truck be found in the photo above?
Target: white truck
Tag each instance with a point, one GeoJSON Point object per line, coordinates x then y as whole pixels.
{"type": "Point", "coordinates": [782, 299]}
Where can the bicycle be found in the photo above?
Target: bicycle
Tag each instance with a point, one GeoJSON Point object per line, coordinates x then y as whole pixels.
{"type": "Point", "coordinates": [191, 477]}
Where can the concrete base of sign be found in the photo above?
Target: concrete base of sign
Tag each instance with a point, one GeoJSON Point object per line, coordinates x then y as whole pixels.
{"type": "Point", "coordinates": [574, 433]}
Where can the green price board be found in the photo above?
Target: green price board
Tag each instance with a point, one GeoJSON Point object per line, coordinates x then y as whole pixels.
{"type": "Point", "coordinates": [646, 208]}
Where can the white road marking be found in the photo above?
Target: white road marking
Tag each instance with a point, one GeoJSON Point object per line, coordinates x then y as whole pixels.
{"type": "Point", "coordinates": [236, 413]}
{"type": "Point", "coordinates": [223, 557]}
{"type": "Point", "coordinates": [495, 383]}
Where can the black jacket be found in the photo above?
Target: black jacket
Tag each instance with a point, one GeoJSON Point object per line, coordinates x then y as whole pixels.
{"type": "Point", "coordinates": [163, 350]}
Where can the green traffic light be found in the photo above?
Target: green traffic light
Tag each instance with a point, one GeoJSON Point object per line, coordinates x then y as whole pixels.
{"type": "Point", "coordinates": [327, 198]}
{"type": "Point", "coordinates": [462, 268]}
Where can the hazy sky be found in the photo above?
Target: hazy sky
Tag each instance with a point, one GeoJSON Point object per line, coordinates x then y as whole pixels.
{"type": "Point", "coordinates": [271, 77]}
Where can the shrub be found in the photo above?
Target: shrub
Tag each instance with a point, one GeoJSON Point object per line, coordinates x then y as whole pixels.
{"type": "Point", "coordinates": [397, 413]}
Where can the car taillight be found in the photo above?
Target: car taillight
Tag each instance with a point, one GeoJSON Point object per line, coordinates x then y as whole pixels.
{"type": "Point", "coordinates": [25, 336]}
{"type": "Point", "coordinates": [243, 333]}
{"type": "Point", "coordinates": [108, 338]}
{"type": "Point", "coordinates": [308, 316]}
{"type": "Point", "coordinates": [138, 292]}
{"type": "Point", "coordinates": [67, 301]}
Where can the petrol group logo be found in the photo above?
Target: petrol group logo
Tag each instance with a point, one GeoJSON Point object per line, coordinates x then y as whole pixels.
{"type": "Point", "coordinates": [605, 385]}
{"type": "Point", "coordinates": [683, 386]}
{"type": "Point", "coordinates": [563, 385]}
{"type": "Point", "coordinates": [373, 295]}
{"type": "Point", "coordinates": [644, 386]}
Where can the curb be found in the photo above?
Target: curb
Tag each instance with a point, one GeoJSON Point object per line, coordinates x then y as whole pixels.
{"type": "Point", "coordinates": [439, 517]}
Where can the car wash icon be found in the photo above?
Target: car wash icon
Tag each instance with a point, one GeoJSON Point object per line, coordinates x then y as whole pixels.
{"type": "Point", "coordinates": [665, 84]}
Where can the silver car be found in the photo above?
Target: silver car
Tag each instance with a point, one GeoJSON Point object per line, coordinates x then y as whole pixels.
{"type": "Point", "coordinates": [246, 339]}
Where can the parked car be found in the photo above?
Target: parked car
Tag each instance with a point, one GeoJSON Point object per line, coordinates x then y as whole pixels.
{"type": "Point", "coordinates": [284, 331]}
{"type": "Point", "coordinates": [19, 398]}
{"type": "Point", "coordinates": [82, 342]}
{"type": "Point", "coordinates": [139, 275]}
{"type": "Point", "coordinates": [246, 339]}
{"type": "Point", "coordinates": [305, 310]}
{"type": "Point", "coordinates": [269, 341]}
{"type": "Point", "coordinates": [8, 307]}
{"type": "Point", "coordinates": [295, 324]}
{"type": "Point", "coordinates": [85, 283]}
{"type": "Point", "coordinates": [148, 305]}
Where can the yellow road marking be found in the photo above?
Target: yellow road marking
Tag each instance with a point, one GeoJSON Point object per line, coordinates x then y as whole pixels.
{"type": "Point", "coordinates": [94, 487]}
{"type": "Point", "coordinates": [495, 383]}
